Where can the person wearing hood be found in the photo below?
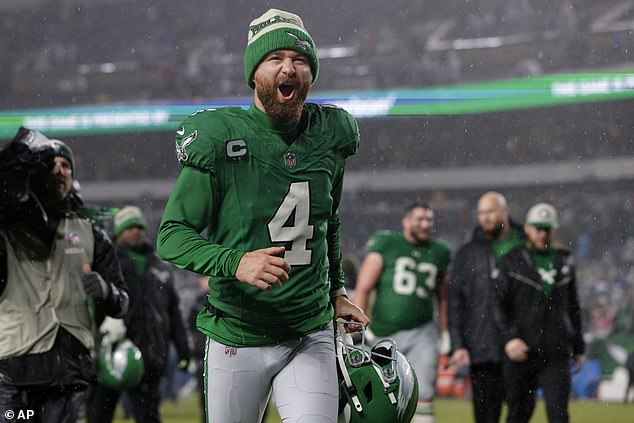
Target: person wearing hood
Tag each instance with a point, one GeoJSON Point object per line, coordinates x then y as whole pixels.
{"type": "Point", "coordinates": [59, 277]}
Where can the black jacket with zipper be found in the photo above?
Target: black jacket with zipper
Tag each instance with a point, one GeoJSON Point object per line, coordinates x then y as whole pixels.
{"type": "Point", "coordinates": [471, 323]}
{"type": "Point", "coordinates": [153, 319]}
{"type": "Point", "coordinates": [550, 326]}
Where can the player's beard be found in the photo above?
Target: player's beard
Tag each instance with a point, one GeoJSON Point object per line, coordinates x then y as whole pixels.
{"type": "Point", "coordinates": [418, 237]}
{"type": "Point", "coordinates": [51, 189]}
{"type": "Point", "coordinates": [285, 112]}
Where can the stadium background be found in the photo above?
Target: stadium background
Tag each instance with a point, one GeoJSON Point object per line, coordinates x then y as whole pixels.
{"type": "Point", "coordinates": [529, 97]}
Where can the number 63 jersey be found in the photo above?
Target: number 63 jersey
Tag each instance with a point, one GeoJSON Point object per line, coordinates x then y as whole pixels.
{"type": "Point", "coordinates": [267, 186]}
{"type": "Point", "coordinates": [408, 282]}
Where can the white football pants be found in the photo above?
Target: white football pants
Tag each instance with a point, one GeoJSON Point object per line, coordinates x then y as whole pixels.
{"type": "Point", "coordinates": [301, 373]}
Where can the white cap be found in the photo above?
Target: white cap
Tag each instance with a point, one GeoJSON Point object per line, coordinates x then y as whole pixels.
{"type": "Point", "coordinates": [542, 215]}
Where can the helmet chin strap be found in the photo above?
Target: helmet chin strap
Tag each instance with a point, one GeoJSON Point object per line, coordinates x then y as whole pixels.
{"type": "Point", "coordinates": [346, 377]}
{"type": "Point", "coordinates": [385, 384]}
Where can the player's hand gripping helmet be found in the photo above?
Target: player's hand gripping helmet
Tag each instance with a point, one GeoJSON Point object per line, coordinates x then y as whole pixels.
{"type": "Point", "coordinates": [377, 385]}
{"type": "Point", "coordinates": [120, 365]}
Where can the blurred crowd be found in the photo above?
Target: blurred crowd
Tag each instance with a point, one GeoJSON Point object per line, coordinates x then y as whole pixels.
{"type": "Point", "coordinates": [66, 53]}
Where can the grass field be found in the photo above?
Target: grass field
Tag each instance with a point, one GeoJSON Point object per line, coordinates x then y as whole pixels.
{"type": "Point", "coordinates": [447, 411]}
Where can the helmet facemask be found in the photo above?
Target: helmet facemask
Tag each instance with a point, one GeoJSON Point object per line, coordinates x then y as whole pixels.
{"type": "Point", "coordinates": [376, 384]}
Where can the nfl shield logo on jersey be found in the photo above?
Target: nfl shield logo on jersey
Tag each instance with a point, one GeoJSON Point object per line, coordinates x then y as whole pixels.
{"type": "Point", "coordinates": [72, 238]}
{"type": "Point", "coordinates": [290, 160]}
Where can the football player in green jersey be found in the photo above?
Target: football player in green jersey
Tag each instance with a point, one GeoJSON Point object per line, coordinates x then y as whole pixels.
{"type": "Point", "coordinates": [266, 183]}
{"type": "Point", "coordinates": [408, 271]}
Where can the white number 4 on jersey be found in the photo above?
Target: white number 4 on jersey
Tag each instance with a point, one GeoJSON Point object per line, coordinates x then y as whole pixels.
{"type": "Point", "coordinates": [297, 200]}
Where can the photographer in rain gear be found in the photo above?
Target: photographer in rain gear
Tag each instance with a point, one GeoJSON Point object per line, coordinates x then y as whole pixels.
{"type": "Point", "coordinates": [57, 273]}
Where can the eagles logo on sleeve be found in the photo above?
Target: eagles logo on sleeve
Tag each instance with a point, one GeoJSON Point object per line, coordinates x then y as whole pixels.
{"type": "Point", "coordinates": [181, 152]}
{"type": "Point", "coordinates": [196, 127]}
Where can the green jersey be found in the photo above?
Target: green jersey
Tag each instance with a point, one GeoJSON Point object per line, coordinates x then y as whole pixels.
{"type": "Point", "coordinates": [253, 184]}
{"type": "Point", "coordinates": [408, 282]}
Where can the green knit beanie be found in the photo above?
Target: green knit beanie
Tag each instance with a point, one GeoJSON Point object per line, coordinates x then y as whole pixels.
{"type": "Point", "coordinates": [128, 217]}
{"type": "Point", "coordinates": [277, 30]}
{"type": "Point", "coordinates": [63, 150]}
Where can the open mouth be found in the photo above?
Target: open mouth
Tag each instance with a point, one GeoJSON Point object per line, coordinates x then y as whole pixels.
{"type": "Point", "coordinates": [286, 90]}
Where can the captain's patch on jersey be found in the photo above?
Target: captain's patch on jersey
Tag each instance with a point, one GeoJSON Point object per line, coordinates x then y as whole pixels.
{"type": "Point", "coordinates": [236, 150]}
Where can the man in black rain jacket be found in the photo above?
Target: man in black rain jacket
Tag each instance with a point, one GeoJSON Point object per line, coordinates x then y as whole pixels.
{"type": "Point", "coordinates": [538, 315]}
{"type": "Point", "coordinates": [475, 338]}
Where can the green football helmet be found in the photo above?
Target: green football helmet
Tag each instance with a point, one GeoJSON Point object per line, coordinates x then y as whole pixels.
{"type": "Point", "coordinates": [377, 385]}
{"type": "Point", "coordinates": [120, 366]}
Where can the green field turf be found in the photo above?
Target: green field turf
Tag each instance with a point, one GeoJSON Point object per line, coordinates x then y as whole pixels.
{"type": "Point", "coordinates": [447, 411]}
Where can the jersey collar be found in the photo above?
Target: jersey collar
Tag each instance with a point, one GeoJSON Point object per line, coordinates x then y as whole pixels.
{"type": "Point", "coordinates": [284, 130]}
